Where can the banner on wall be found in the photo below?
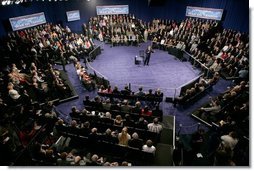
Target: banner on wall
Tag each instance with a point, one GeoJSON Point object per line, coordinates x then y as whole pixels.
{"type": "Point", "coordinates": [73, 15]}
{"type": "Point", "coordinates": [112, 9]}
{"type": "Point", "coordinates": [26, 21]}
{"type": "Point", "coordinates": [207, 13]}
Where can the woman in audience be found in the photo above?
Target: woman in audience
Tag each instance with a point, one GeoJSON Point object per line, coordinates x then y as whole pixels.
{"type": "Point", "coordinates": [118, 121]}
{"type": "Point", "coordinates": [124, 137]}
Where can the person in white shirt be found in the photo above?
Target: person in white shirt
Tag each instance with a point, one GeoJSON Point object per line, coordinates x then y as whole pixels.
{"type": "Point", "coordinates": [155, 126]}
{"type": "Point", "coordinates": [148, 147]}
{"type": "Point", "coordinates": [14, 94]}
{"type": "Point", "coordinates": [230, 140]}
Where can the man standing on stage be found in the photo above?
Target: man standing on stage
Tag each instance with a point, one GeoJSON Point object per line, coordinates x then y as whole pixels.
{"type": "Point", "coordinates": [148, 55]}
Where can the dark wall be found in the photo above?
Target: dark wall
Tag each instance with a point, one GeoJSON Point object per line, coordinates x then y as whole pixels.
{"type": "Point", "coordinates": [236, 12]}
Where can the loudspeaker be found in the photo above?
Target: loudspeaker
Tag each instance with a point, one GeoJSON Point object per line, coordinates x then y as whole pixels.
{"type": "Point", "coordinates": [156, 3]}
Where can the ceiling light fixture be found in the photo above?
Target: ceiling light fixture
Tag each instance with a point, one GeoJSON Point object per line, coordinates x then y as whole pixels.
{"type": "Point", "coordinates": [4, 2]}
{"type": "Point", "coordinates": [17, 2]}
{"type": "Point", "coordinates": [8, 2]}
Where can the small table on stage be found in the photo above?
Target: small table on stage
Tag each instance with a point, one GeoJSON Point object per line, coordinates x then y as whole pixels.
{"type": "Point", "coordinates": [138, 60]}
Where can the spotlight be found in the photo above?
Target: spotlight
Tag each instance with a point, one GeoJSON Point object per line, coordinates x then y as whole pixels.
{"type": "Point", "coordinates": [8, 2]}
{"type": "Point", "coordinates": [17, 2]}
{"type": "Point", "coordinates": [4, 2]}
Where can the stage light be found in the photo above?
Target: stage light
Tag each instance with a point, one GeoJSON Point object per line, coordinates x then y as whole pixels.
{"type": "Point", "coordinates": [17, 2]}
{"type": "Point", "coordinates": [8, 2]}
{"type": "Point", "coordinates": [4, 2]}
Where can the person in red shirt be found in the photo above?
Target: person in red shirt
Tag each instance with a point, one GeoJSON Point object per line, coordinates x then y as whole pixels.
{"type": "Point", "coordinates": [146, 111]}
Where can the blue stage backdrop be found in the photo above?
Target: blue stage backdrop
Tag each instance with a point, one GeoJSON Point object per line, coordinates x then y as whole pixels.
{"type": "Point", "coordinates": [236, 13]}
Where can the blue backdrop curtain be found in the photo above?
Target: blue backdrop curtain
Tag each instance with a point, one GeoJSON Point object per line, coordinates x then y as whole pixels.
{"type": "Point", "coordinates": [236, 11]}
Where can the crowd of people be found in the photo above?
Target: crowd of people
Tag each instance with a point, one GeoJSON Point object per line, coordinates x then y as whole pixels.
{"type": "Point", "coordinates": [116, 29]}
{"type": "Point", "coordinates": [29, 77]}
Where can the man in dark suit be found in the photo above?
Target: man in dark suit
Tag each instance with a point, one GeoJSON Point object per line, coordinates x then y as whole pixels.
{"type": "Point", "coordinates": [135, 142]}
{"type": "Point", "coordinates": [148, 55]}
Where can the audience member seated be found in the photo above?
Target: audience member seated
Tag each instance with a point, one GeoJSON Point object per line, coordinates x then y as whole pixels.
{"type": "Point", "coordinates": [124, 137]}
{"type": "Point", "coordinates": [230, 140]}
{"type": "Point", "coordinates": [125, 107]}
{"type": "Point", "coordinates": [137, 108]}
{"type": "Point", "coordinates": [135, 141]}
{"type": "Point", "coordinates": [62, 161]}
{"type": "Point", "coordinates": [93, 137]}
{"type": "Point", "coordinates": [155, 126]}
{"type": "Point", "coordinates": [75, 113]}
{"type": "Point", "coordinates": [106, 105]}
{"type": "Point", "coordinates": [146, 111]}
{"type": "Point", "coordinates": [142, 123]}
{"type": "Point", "coordinates": [85, 129]}
{"type": "Point", "coordinates": [95, 161]}
{"type": "Point", "coordinates": [118, 121]}
{"type": "Point", "coordinates": [148, 147]}
{"type": "Point", "coordinates": [128, 121]}
{"type": "Point", "coordinates": [126, 91]}
{"type": "Point", "coordinates": [140, 92]}
{"type": "Point", "coordinates": [14, 94]}
{"type": "Point", "coordinates": [108, 136]}
{"type": "Point", "coordinates": [115, 90]}
{"type": "Point", "coordinates": [223, 156]}
{"type": "Point", "coordinates": [212, 110]}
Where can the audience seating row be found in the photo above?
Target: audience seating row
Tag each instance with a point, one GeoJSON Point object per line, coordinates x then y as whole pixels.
{"type": "Point", "coordinates": [135, 116]}
{"type": "Point", "coordinates": [132, 97]}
